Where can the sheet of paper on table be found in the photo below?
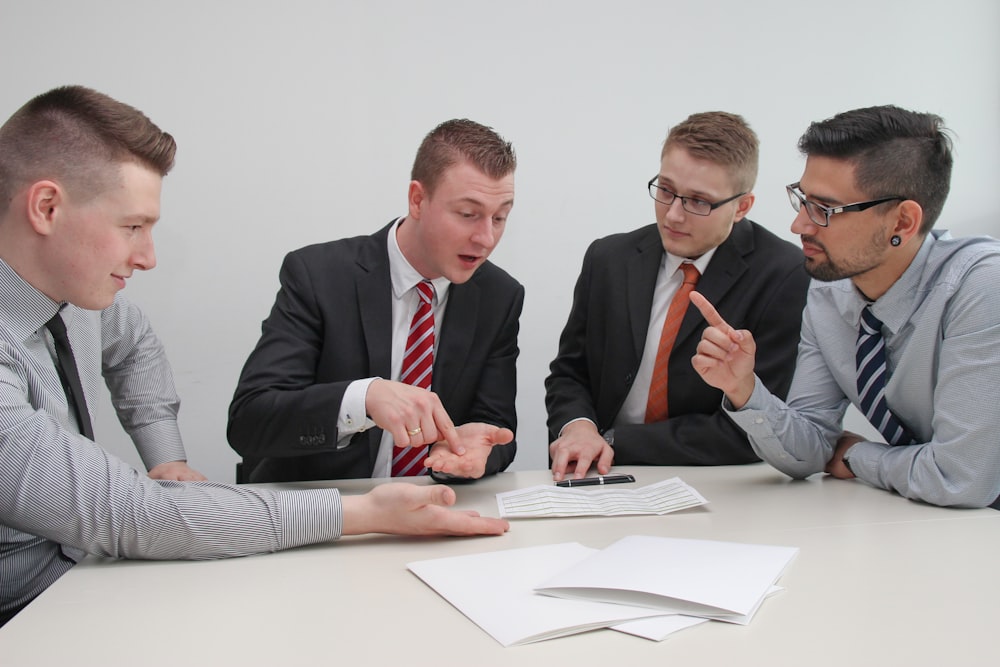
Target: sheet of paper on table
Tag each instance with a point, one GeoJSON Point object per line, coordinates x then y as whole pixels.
{"type": "Point", "coordinates": [670, 495]}
{"type": "Point", "coordinates": [495, 591]}
{"type": "Point", "coordinates": [645, 586]}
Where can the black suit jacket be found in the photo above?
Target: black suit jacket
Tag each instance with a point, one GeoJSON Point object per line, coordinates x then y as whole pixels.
{"type": "Point", "coordinates": [331, 324]}
{"type": "Point", "coordinates": [755, 280]}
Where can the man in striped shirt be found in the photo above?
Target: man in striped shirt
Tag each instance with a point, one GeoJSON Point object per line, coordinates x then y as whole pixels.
{"type": "Point", "coordinates": [80, 177]}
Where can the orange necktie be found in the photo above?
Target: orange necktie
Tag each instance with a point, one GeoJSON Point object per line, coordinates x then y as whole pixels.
{"type": "Point", "coordinates": [656, 405]}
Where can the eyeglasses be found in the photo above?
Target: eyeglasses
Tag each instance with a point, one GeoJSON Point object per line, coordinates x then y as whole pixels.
{"type": "Point", "coordinates": [691, 204]}
{"type": "Point", "coordinates": [820, 214]}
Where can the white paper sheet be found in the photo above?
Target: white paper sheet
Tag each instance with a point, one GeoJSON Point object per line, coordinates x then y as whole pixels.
{"type": "Point", "coordinates": [663, 497]}
{"type": "Point", "coordinates": [494, 590]}
{"type": "Point", "coordinates": [725, 581]}
{"type": "Point", "coordinates": [658, 628]}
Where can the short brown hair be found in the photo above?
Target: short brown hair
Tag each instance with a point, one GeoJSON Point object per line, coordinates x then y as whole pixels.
{"type": "Point", "coordinates": [462, 139]}
{"type": "Point", "coordinates": [722, 138]}
{"type": "Point", "coordinates": [77, 135]}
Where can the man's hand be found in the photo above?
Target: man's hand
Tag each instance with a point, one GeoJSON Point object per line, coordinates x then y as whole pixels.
{"type": "Point", "coordinates": [409, 509]}
{"type": "Point", "coordinates": [836, 466]}
{"type": "Point", "coordinates": [580, 443]}
{"type": "Point", "coordinates": [725, 356]}
{"type": "Point", "coordinates": [477, 441]}
{"type": "Point", "coordinates": [176, 470]}
{"type": "Point", "coordinates": [413, 416]}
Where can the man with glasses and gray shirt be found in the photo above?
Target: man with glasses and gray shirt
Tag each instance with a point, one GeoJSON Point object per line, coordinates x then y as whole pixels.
{"type": "Point", "coordinates": [622, 388]}
{"type": "Point", "coordinates": [902, 321]}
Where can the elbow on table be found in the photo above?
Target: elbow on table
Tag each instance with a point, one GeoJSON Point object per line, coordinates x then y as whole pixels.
{"type": "Point", "coordinates": [780, 459]}
{"type": "Point", "coordinates": [965, 498]}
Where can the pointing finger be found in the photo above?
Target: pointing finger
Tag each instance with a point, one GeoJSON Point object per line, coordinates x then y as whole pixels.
{"type": "Point", "coordinates": [709, 312]}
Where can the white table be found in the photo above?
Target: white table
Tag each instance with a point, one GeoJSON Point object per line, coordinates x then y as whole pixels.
{"type": "Point", "coordinates": [878, 580]}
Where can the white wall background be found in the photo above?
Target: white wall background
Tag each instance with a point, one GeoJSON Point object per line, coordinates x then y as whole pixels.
{"type": "Point", "coordinates": [297, 122]}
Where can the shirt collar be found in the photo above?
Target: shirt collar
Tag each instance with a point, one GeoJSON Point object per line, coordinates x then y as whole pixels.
{"type": "Point", "coordinates": [896, 306]}
{"type": "Point", "coordinates": [672, 262]}
{"type": "Point", "coordinates": [404, 277]}
{"type": "Point", "coordinates": [24, 310]}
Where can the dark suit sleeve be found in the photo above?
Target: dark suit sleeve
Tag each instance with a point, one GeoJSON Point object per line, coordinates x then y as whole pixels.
{"type": "Point", "coordinates": [475, 374]}
{"type": "Point", "coordinates": [495, 400]}
{"type": "Point", "coordinates": [702, 434]}
{"type": "Point", "coordinates": [279, 409]}
{"type": "Point", "coordinates": [567, 388]}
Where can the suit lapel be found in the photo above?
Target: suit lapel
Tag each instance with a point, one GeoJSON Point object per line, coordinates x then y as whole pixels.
{"type": "Point", "coordinates": [374, 299]}
{"type": "Point", "coordinates": [455, 341]}
{"type": "Point", "coordinates": [723, 272]}
{"type": "Point", "coordinates": [641, 273]}
{"type": "Point", "coordinates": [374, 294]}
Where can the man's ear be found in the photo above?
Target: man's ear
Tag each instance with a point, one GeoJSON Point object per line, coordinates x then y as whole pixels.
{"type": "Point", "coordinates": [44, 199]}
{"type": "Point", "coordinates": [415, 197]}
{"type": "Point", "coordinates": [743, 206]}
{"type": "Point", "coordinates": [909, 216]}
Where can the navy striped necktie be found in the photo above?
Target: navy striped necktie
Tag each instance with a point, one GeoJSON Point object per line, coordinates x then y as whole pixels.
{"type": "Point", "coordinates": [872, 376]}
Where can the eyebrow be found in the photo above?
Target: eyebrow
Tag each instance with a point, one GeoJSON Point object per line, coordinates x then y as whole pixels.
{"type": "Point", "coordinates": [695, 194]}
{"type": "Point", "coordinates": [476, 202]}
{"type": "Point", "coordinates": [820, 199]}
{"type": "Point", "coordinates": [142, 219]}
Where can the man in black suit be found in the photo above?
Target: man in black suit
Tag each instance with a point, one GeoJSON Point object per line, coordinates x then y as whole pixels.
{"type": "Point", "coordinates": [608, 399]}
{"type": "Point", "coordinates": [322, 396]}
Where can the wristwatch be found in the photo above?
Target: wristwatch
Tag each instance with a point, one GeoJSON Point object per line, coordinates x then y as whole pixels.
{"type": "Point", "coordinates": [609, 437]}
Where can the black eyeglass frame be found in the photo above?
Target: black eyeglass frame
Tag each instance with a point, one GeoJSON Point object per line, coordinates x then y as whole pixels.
{"type": "Point", "coordinates": [684, 200]}
{"type": "Point", "coordinates": [797, 198]}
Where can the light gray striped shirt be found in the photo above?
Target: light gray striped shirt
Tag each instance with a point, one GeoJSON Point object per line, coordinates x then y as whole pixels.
{"type": "Point", "coordinates": [941, 324]}
{"type": "Point", "coordinates": [62, 496]}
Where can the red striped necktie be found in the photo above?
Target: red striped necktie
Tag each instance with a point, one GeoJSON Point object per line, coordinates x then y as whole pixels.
{"type": "Point", "coordinates": [418, 370]}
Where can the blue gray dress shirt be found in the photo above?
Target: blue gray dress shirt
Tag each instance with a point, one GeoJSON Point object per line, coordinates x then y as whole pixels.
{"type": "Point", "coordinates": [62, 496]}
{"type": "Point", "coordinates": [942, 335]}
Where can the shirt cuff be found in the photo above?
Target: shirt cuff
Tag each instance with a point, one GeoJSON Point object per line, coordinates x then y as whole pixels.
{"type": "Point", "coordinates": [578, 419]}
{"type": "Point", "coordinates": [865, 457]}
{"type": "Point", "coordinates": [353, 417]}
{"type": "Point", "coordinates": [757, 400]}
{"type": "Point", "coordinates": [309, 516]}
{"type": "Point", "coordinates": [159, 442]}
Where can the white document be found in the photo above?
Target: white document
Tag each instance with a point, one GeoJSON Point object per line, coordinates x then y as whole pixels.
{"type": "Point", "coordinates": [663, 497]}
{"type": "Point", "coordinates": [725, 581]}
{"type": "Point", "coordinates": [494, 590]}
{"type": "Point", "coordinates": [658, 628]}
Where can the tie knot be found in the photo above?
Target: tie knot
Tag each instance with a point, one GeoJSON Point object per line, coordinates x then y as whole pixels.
{"type": "Point", "coordinates": [690, 273]}
{"type": "Point", "coordinates": [426, 291]}
{"type": "Point", "coordinates": [57, 328]}
{"type": "Point", "coordinates": [869, 323]}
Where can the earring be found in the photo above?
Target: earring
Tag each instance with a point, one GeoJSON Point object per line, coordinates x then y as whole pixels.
{"type": "Point", "coordinates": [895, 240]}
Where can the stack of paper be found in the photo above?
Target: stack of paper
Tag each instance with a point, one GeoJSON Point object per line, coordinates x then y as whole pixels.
{"type": "Point", "coordinates": [669, 495]}
{"type": "Point", "coordinates": [646, 586]}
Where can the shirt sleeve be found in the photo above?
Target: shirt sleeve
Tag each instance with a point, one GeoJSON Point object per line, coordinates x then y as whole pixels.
{"type": "Point", "coordinates": [138, 375]}
{"type": "Point", "coordinates": [63, 487]}
{"type": "Point", "coordinates": [796, 437]}
{"type": "Point", "coordinates": [958, 462]}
